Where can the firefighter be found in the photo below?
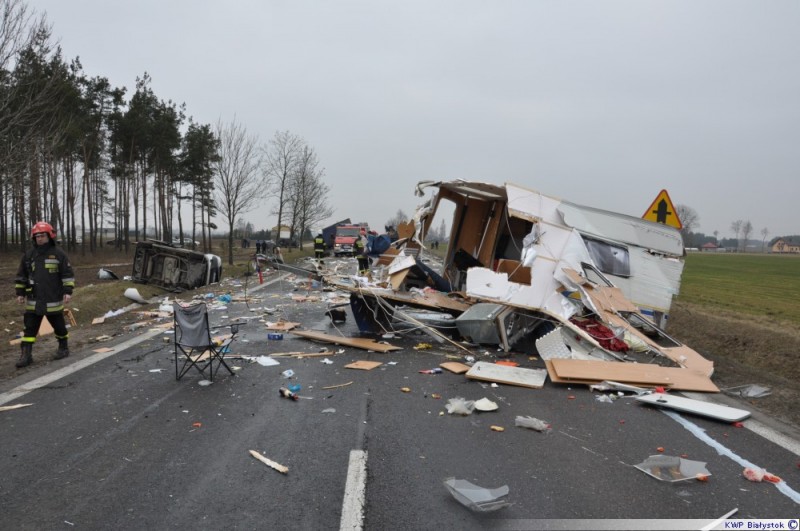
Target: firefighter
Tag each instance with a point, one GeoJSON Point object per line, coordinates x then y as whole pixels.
{"type": "Point", "coordinates": [44, 283]}
{"type": "Point", "coordinates": [361, 253]}
{"type": "Point", "coordinates": [319, 247]}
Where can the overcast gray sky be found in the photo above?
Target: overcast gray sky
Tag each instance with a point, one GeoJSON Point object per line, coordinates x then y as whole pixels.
{"type": "Point", "coordinates": [603, 103]}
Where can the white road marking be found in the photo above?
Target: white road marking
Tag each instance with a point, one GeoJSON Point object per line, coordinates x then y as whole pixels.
{"type": "Point", "coordinates": [354, 491]}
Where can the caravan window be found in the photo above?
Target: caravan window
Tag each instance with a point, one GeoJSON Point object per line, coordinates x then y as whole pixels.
{"type": "Point", "coordinates": [610, 259]}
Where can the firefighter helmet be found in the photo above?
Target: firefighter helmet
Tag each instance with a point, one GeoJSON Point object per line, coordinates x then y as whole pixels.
{"type": "Point", "coordinates": [45, 227]}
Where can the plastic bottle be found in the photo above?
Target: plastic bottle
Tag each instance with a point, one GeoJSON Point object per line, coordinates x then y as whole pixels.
{"type": "Point", "coordinates": [285, 393]}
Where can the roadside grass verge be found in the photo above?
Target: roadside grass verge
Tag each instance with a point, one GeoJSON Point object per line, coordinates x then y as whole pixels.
{"type": "Point", "coordinates": [761, 285]}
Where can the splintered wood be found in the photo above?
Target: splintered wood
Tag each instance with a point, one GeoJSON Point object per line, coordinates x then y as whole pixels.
{"type": "Point", "coordinates": [269, 462]}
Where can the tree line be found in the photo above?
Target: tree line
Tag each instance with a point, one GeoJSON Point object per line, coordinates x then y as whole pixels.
{"type": "Point", "coordinates": [79, 154]}
{"type": "Point", "coordinates": [742, 229]}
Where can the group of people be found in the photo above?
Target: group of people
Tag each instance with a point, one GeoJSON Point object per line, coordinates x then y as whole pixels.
{"type": "Point", "coordinates": [44, 283]}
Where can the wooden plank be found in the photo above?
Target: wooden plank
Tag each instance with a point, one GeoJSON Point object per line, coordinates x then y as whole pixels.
{"type": "Point", "coordinates": [366, 344]}
{"type": "Point", "coordinates": [491, 372]}
{"type": "Point", "coordinates": [697, 407]}
{"type": "Point", "coordinates": [638, 373]}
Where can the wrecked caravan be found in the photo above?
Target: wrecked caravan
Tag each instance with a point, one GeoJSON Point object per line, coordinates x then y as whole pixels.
{"type": "Point", "coordinates": [173, 268]}
{"type": "Point", "coordinates": [522, 265]}
{"type": "Point", "coordinates": [526, 234]}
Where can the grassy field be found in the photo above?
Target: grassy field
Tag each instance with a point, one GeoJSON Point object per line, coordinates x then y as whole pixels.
{"type": "Point", "coordinates": [754, 284]}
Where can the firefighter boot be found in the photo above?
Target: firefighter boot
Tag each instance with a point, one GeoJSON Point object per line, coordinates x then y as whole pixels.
{"type": "Point", "coordinates": [26, 357]}
{"type": "Point", "coordinates": [63, 350]}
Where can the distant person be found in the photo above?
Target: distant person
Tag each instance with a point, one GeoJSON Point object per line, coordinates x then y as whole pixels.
{"type": "Point", "coordinates": [44, 282]}
{"type": "Point", "coordinates": [361, 253]}
{"type": "Point", "coordinates": [319, 247]}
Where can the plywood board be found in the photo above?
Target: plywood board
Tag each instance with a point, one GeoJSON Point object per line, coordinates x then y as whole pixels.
{"type": "Point", "coordinates": [639, 373]}
{"type": "Point", "coordinates": [697, 407]}
{"type": "Point", "coordinates": [555, 378]}
{"type": "Point", "coordinates": [491, 372]}
{"type": "Point", "coordinates": [363, 365]}
{"type": "Point", "coordinates": [455, 367]}
{"type": "Point", "coordinates": [396, 279]}
{"type": "Point", "coordinates": [366, 344]}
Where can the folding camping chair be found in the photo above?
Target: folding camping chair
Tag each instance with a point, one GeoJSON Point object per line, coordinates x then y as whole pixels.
{"type": "Point", "coordinates": [194, 346]}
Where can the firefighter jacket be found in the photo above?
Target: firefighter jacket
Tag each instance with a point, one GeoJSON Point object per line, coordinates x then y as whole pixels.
{"type": "Point", "coordinates": [319, 243]}
{"type": "Point", "coordinates": [360, 246]}
{"type": "Point", "coordinates": [45, 275]}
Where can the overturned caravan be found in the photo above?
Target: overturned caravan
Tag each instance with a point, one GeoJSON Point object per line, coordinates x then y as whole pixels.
{"type": "Point", "coordinates": [584, 284]}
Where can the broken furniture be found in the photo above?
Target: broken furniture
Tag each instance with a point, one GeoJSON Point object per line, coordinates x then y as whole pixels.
{"type": "Point", "coordinates": [193, 344]}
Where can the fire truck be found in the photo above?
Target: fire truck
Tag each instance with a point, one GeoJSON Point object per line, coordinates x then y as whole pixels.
{"type": "Point", "coordinates": [346, 235]}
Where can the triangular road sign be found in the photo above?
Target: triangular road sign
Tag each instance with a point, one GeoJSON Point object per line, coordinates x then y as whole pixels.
{"type": "Point", "coordinates": [662, 211]}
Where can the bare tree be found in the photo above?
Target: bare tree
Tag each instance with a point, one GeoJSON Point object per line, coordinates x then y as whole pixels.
{"type": "Point", "coordinates": [281, 159]}
{"type": "Point", "coordinates": [239, 186]}
{"type": "Point", "coordinates": [689, 221]}
{"type": "Point", "coordinates": [764, 234]}
{"type": "Point", "coordinates": [736, 227]}
{"type": "Point", "coordinates": [747, 230]}
{"type": "Point", "coordinates": [309, 202]}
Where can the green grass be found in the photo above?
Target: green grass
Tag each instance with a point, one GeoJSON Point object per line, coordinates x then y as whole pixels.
{"type": "Point", "coordinates": [754, 284]}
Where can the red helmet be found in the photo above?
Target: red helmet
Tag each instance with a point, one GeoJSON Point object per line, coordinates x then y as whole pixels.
{"type": "Point", "coordinates": [45, 227]}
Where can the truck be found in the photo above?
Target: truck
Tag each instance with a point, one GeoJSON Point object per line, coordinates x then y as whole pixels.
{"type": "Point", "coordinates": [329, 233]}
{"type": "Point", "coordinates": [346, 235]}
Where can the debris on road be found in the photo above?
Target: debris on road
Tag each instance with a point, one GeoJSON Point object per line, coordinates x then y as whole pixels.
{"type": "Point", "coordinates": [672, 468]}
{"type": "Point", "coordinates": [270, 463]}
{"type": "Point", "coordinates": [477, 498]}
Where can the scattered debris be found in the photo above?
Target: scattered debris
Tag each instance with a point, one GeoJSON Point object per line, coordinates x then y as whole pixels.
{"type": "Point", "coordinates": [748, 391]}
{"type": "Point", "coordinates": [270, 463]}
{"type": "Point", "coordinates": [286, 393]}
{"type": "Point", "coordinates": [497, 428]}
{"type": "Point", "coordinates": [267, 361]}
{"type": "Point", "coordinates": [365, 344]}
{"type": "Point", "coordinates": [134, 295]}
{"type": "Point", "coordinates": [338, 386]}
{"type": "Point", "coordinates": [460, 406]}
{"type": "Point", "coordinates": [672, 468]}
{"type": "Point", "coordinates": [106, 274]}
{"type": "Point", "coordinates": [759, 474]}
{"type": "Point", "coordinates": [484, 404]}
{"type": "Point", "coordinates": [455, 367]}
{"type": "Point", "coordinates": [477, 498]}
{"type": "Point", "coordinates": [492, 372]}
{"type": "Point", "coordinates": [697, 407]}
{"type": "Point", "coordinates": [532, 424]}
{"type": "Point", "coordinates": [363, 365]}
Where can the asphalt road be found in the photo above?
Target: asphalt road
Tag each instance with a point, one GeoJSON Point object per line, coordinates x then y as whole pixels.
{"type": "Point", "coordinates": [119, 443]}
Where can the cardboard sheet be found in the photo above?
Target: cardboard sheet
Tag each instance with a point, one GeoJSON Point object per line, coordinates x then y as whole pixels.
{"type": "Point", "coordinates": [455, 367]}
{"type": "Point", "coordinates": [491, 372]}
{"type": "Point", "coordinates": [363, 365]}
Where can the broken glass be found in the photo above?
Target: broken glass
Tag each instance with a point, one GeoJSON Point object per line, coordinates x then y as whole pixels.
{"type": "Point", "coordinates": [477, 498]}
{"type": "Point", "coordinates": [671, 468]}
